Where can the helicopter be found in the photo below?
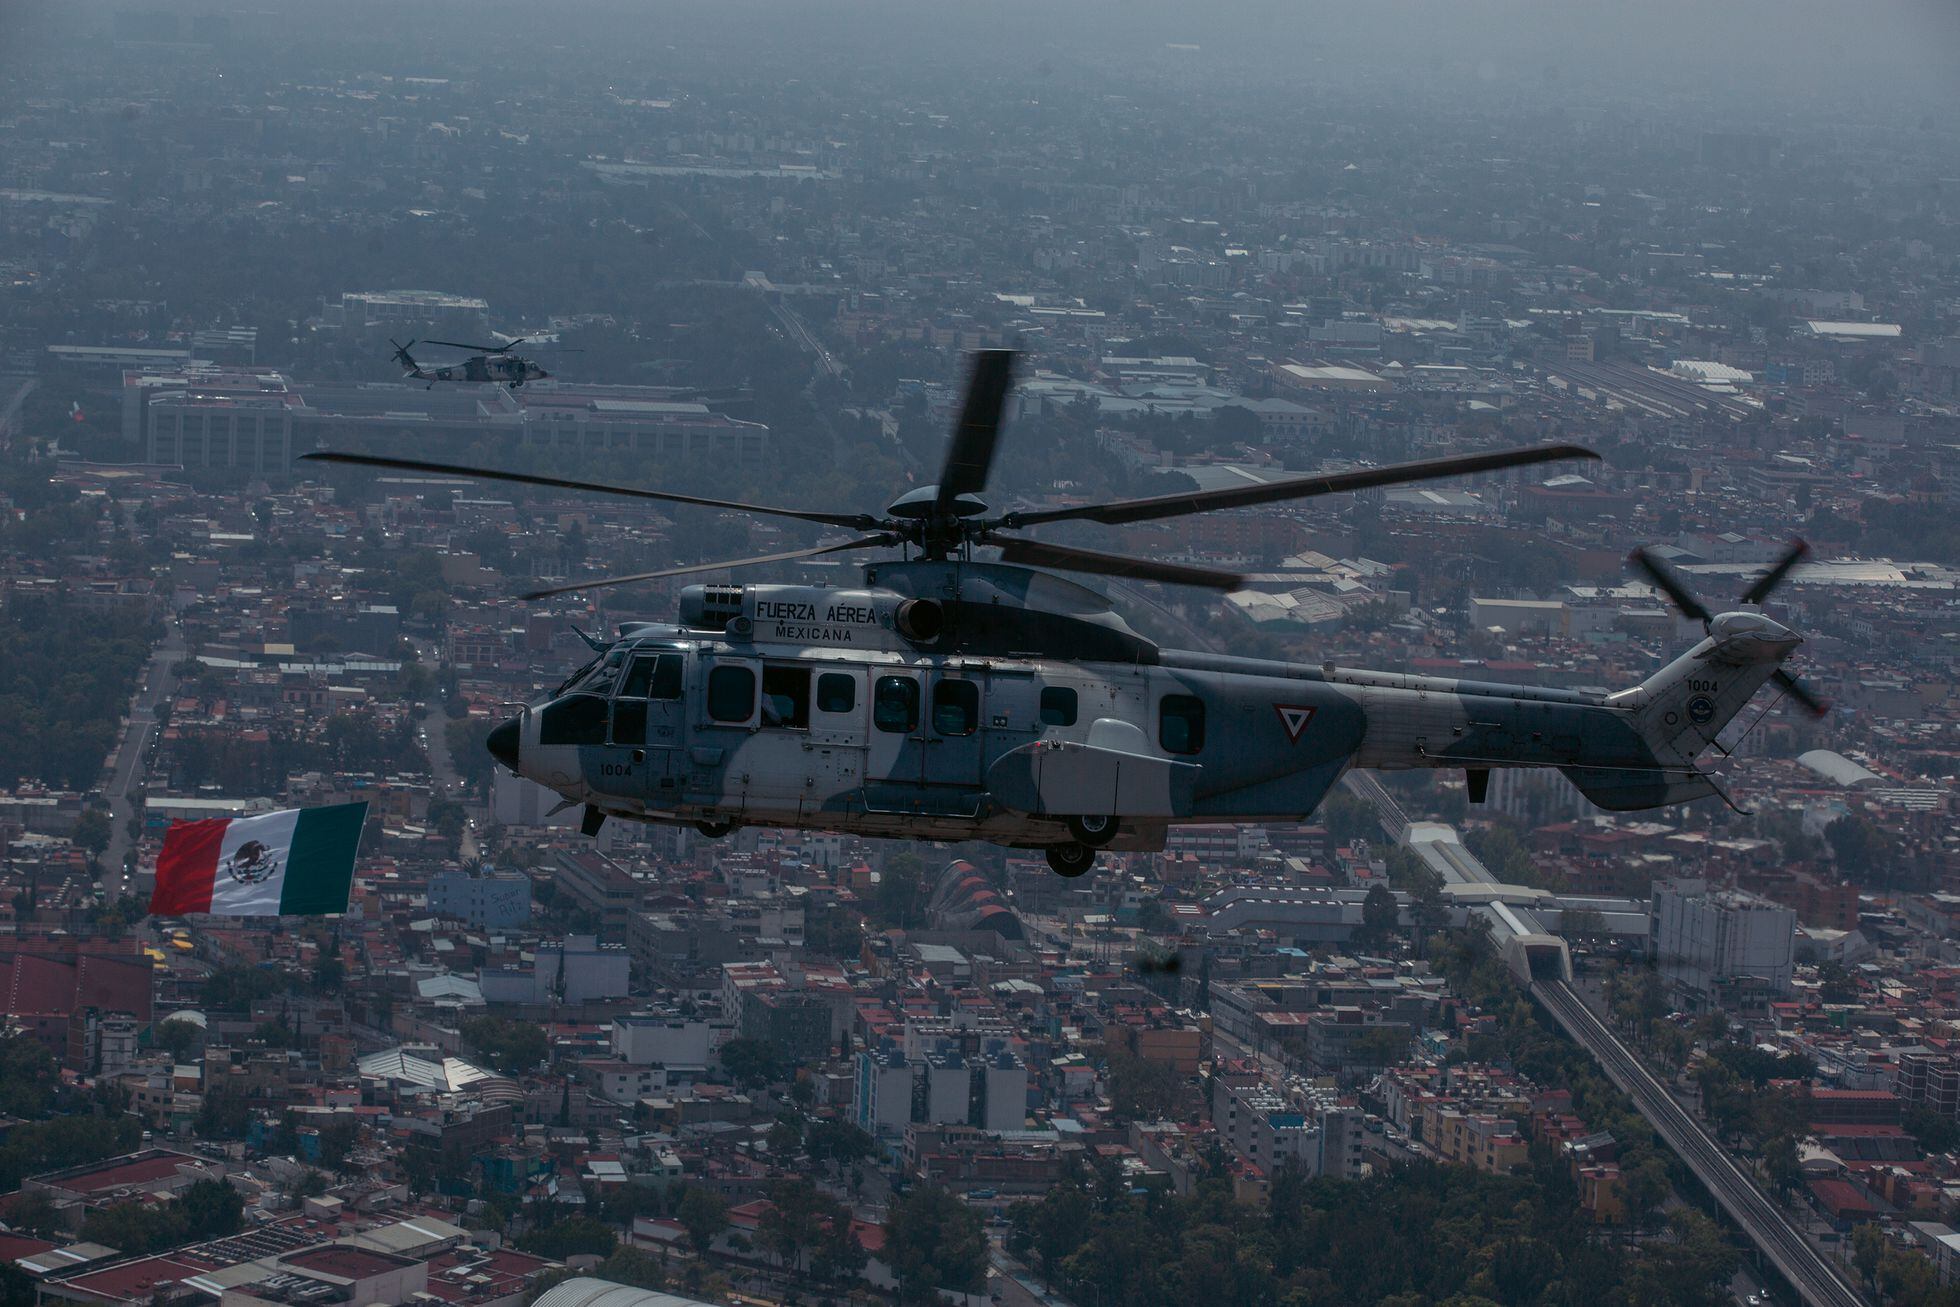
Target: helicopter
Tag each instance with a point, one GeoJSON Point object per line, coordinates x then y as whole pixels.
{"type": "Point", "coordinates": [951, 697]}
{"type": "Point", "coordinates": [487, 363]}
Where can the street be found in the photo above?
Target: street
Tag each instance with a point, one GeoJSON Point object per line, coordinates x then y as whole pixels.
{"type": "Point", "coordinates": [132, 763]}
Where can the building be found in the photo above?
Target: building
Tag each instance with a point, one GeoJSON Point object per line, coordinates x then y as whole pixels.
{"type": "Point", "coordinates": [488, 897]}
{"type": "Point", "coordinates": [1721, 948]}
{"type": "Point", "coordinates": [578, 970]}
{"type": "Point", "coordinates": [677, 1043]}
{"type": "Point", "coordinates": [426, 310]}
{"type": "Point", "coordinates": [1312, 1132]}
{"type": "Point", "coordinates": [601, 887]}
{"type": "Point", "coordinates": [1930, 1079]}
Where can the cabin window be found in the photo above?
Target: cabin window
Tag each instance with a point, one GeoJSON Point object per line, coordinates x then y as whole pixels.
{"type": "Point", "coordinates": [1057, 706]}
{"type": "Point", "coordinates": [955, 707]}
{"type": "Point", "coordinates": [786, 697]}
{"type": "Point", "coordinates": [895, 704]}
{"type": "Point", "coordinates": [575, 719]}
{"type": "Point", "coordinates": [837, 692]}
{"type": "Point", "coordinates": [731, 694]}
{"type": "Point", "coordinates": [1181, 723]}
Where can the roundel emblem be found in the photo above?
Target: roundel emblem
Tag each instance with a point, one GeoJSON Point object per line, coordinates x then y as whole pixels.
{"type": "Point", "coordinates": [1701, 710]}
{"type": "Point", "coordinates": [253, 862]}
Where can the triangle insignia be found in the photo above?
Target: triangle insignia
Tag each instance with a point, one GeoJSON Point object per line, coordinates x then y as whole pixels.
{"type": "Point", "coordinates": [1294, 718]}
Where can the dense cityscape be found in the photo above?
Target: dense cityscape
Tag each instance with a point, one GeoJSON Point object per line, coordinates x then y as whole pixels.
{"type": "Point", "coordinates": [1451, 1037]}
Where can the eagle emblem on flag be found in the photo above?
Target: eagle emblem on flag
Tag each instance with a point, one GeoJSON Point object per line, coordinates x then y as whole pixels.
{"type": "Point", "coordinates": [252, 862]}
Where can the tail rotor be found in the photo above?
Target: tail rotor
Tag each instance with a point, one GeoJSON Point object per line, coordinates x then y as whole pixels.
{"type": "Point", "coordinates": [1669, 583]}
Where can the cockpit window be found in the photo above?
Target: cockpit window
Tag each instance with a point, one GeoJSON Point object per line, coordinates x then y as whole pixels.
{"type": "Point", "coordinates": [574, 719]}
{"type": "Point", "coordinates": [575, 677]}
{"type": "Point", "coordinates": [666, 678]}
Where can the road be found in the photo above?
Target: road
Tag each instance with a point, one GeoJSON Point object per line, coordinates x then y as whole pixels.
{"type": "Point", "coordinates": [1767, 1225]}
{"type": "Point", "coordinates": [800, 332]}
{"type": "Point", "coordinates": [442, 769]}
{"type": "Point", "coordinates": [133, 758]}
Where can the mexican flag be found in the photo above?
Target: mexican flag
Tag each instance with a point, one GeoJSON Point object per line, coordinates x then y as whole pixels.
{"type": "Point", "coordinates": [297, 863]}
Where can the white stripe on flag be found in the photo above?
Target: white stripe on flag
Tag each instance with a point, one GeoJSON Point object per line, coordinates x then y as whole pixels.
{"type": "Point", "coordinates": [252, 865]}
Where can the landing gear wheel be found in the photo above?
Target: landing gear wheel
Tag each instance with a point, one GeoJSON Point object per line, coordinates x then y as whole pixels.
{"type": "Point", "coordinates": [714, 830]}
{"type": "Point", "coordinates": [1070, 860]}
{"type": "Point", "coordinates": [1096, 832]}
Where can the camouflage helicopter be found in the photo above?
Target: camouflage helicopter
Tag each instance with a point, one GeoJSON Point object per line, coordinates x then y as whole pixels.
{"type": "Point", "coordinates": [486, 364]}
{"type": "Point", "coordinates": [955, 698]}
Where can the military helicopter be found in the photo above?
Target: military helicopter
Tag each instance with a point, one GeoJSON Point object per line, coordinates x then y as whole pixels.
{"type": "Point", "coordinates": [952, 697]}
{"type": "Point", "coordinates": [487, 363]}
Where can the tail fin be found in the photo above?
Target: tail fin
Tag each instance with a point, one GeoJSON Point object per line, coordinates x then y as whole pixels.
{"type": "Point", "coordinates": [1681, 709]}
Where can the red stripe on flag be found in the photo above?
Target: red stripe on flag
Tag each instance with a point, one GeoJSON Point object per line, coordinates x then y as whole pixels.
{"type": "Point", "coordinates": [188, 867]}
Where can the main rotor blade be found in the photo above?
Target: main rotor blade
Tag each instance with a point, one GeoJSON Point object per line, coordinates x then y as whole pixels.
{"type": "Point", "coordinates": [1273, 492]}
{"type": "Point", "coordinates": [1811, 701]}
{"type": "Point", "coordinates": [784, 557]}
{"type": "Point", "coordinates": [1769, 580]}
{"type": "Point", "coordinates": [474, 349]}
{"type": "Point", "coordinates": [972, 452]}
{"type": "Point", "coordinates": [1670, 585]}
{"type": "Point", "coordinates": [1034, 553]}
{"type": "Point", "coordinates": [855, 521]}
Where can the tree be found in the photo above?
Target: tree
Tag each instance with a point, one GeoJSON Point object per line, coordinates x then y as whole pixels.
{"type": "Point", "coordinates": [92, 831]}
{"type": "Point", "coordinates": [632, 1267]}
{"type": "Point", "coordinates": [1782, 1164]}
{"type": "Point", "coordinates": [512, 1047]}
{"type": "Point", "coordinates": [838, 1142]}
{"type": "Point", "coordinates": [179, 1035]}
{"type": "Point", "coordinates": [1863, 852]}
{"type": "Point", "coordinates": [137, 1227]}
{"type": "Point", "coordinates": [1935, 1132]}
{"type": "Point", "coordinates": [36, 1213]}
{"type": "Point", "coordinates": [795, 1219]}
{"type": "Point", "coordinates": [933, 1241]}
{"type": "Point", "coordinates": [572, 1237]}
{"type": "Point", "coordinates": [1867, 1250]}
{"type": "Point", "coordinates": [752, 1063]}
{"type": "Point", "coordinates": [1380, 914]}
{"type": "Point", "coordinates": [901, 897]}
{"type": "Point", "coordinates": [224, 1114]}
{"type": "Point", "coordinates": [212, 1209]}
{"type": "Point", "coordinates": [703, 1214]}
{"type": "Point", "coordinates": [27, 1076]}
{"type": "Point", "coordinates": [337, 1141]}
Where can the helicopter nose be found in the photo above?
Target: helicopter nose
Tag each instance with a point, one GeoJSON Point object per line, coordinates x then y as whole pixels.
{"type": "Point", "coordinates": [502, 744]}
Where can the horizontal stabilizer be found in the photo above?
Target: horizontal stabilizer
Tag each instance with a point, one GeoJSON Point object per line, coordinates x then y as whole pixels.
{"type": "Point", "coordinates": [1630, 789]}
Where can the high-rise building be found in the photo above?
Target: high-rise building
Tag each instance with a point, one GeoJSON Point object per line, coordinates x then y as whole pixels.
{"type": "Point", "coordinates": [488, 897]}
{"type": "Point", "coordinates": [1721, 948]}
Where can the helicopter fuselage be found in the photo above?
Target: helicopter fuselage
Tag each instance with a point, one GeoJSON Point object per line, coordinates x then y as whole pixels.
{"type": "Point", "coordinates": [940, 705]}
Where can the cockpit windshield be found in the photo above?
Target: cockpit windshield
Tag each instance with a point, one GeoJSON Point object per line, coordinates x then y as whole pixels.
{"type": "Point", "coordinates": [596, 675]}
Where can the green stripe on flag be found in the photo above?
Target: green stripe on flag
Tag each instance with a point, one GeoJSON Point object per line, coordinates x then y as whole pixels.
{"type": "Point", "coordinates": [320, 870]}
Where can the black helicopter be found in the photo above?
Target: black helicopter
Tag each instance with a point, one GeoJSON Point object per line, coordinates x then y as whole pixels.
{"type": "Point", "coordinates": [487, 364]}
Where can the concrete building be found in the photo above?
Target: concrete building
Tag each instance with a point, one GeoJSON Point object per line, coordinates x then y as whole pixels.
{"type": "Point", "coordinates": [488, 898]}
{"type": "Point", "coordinates": [1310, 1131]}
{"type": "Point", "coordinates": [1721, 948]}
{"type": "Point", "coordinates": [677, 1043]}
{"type": "Point", "coordinates": [883, 1101]}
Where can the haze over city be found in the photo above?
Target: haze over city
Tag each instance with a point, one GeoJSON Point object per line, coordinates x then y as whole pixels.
{"type": "Point", "coordinates": [1070, 654]}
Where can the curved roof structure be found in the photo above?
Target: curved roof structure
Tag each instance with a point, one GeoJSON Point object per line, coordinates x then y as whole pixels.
{"type": "Point", "coordinates": [585, 1291]}
{"type": "Point", "coordinates": [1839, 770]}
{"type": "Point", "coordinates": [964, 900]}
